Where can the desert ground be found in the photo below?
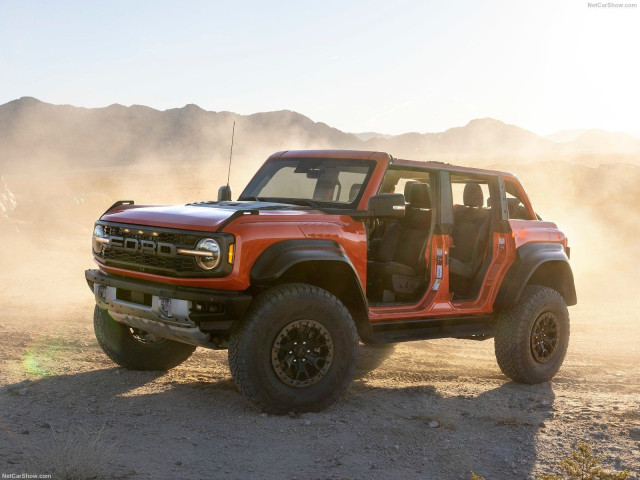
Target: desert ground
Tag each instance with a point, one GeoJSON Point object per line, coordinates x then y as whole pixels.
{"type": "Point", "coordinates": [430, 410]}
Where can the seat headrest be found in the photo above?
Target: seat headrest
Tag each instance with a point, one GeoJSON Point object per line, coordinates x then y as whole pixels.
{"type": "Point", "coordinates": [407, 189]}
{"type": "Point", "coordinates": [473, 196]}
{"type": "Point", "coordinates": [420, 195]}
{"type": "Point", "coordinates": [354, 190]}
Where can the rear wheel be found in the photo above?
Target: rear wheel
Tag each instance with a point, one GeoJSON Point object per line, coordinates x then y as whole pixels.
{"type": "Point", "coordinates": [136, 349]}
{"type": "Point", "coordinates": [296, 350]}
{"type": "Point", "coordinates": [532, 336]}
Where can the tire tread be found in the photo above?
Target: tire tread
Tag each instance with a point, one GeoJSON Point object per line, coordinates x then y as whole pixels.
{"type": "Point", "coordinates": [512, 328]}
{"type": "Point", "coordinates": [265, 304]}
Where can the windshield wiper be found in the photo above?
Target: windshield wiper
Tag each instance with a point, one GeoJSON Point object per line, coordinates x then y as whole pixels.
{"type": "Point", "coordinates": [292, 201]}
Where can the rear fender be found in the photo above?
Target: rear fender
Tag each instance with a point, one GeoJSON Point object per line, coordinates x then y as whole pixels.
{"type": "Point", "coordinates": [544, 264]}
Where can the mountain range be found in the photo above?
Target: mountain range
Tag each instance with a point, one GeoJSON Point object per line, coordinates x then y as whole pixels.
{"type": "Point", "coordinates": [35, 133]}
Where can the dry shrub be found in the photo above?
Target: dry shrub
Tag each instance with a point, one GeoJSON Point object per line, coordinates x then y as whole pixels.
{"type": "Point", "coordinates": [582, 464]}
{"type": "Point", "coordinates": [75, 455]}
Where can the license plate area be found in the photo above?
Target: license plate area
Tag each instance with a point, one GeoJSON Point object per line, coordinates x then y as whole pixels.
{"type": "Point", "coordinates": [165, 306]}
{"type": "Point", "coordinates": [134, 297]}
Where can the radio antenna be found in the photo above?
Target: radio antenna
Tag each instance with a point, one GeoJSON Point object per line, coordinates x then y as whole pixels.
{"type": "Point", "coordinates": [233, 132]}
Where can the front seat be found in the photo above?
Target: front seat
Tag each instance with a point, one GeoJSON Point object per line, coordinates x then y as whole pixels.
{"type": "Point", "coordinates": [470, 233]}
{"type": "Point", "coordinates": [398, 265]}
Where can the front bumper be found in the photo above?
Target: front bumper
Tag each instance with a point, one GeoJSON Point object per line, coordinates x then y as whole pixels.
{"type": "Point", "coordinates": [185, 314]}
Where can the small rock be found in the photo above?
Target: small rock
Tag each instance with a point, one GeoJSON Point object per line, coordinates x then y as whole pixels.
{"type": "Point", "coordinates": [45, 425]}
{"type": "Point", "coordinates": [307, 422]}
{"type": "Point", "coordinates": [397, 447]}
{"type": "Point", "coordinates": [92, 399]}
{"type": "Point", "coordinates": [25, 432]}
{"type": "Point", "coordinates": [263, 415]}
{"type": "Point", "coordinates": [178, 463]}
{"type": "Point", "coordinates": [23, 391]}
{"type": "Point", "coordinates": [634, 432]}
{"type": "Point", "coordinates": [433, 424]}
{"type": "Point", "coordinates": [117, 372]}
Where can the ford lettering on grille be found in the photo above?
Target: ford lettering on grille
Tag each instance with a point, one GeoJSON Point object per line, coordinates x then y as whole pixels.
{"type": "Point", "coordinates": [148, 247]}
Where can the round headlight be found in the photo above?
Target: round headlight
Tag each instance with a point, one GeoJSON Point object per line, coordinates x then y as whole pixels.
{"type": "Point", "coordinates": [98, 232]}
{"type": "Point", "coordinates": [210, 261]}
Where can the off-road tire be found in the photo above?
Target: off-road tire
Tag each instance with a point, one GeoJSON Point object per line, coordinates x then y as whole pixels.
{"type": "Point", "coordinates": [250, 348]}
{"type": "Point", "coordinates": [120, 345]}
{"type": "Point", "coordinates": [514, 328]}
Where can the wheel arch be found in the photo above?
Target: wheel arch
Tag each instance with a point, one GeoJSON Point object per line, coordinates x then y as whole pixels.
{"type": "Point", "coordinates": [322, 263]}
{"type": "Point", "coordinates": [544, 264]}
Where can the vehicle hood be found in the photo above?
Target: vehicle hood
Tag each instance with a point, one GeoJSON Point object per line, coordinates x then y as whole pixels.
{"type": "Point", "coordinates": [204, 216]}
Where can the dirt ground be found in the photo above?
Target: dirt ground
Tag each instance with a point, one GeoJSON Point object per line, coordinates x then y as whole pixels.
{"type": "Point", "coordinates": [61, 397]}
{"type": "Point", "coordinates": [193, 423]}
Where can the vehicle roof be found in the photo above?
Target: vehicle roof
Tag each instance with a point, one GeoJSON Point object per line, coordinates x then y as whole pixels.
{"type": "Point", "coordinates": [372, 155]}
{"type": "Point", "coordinates": [452, 168]}
{"type": "Point", "coordinates": [351, 154]}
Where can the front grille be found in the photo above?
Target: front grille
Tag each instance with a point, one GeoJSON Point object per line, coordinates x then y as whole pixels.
{"type": "Point", "coordinates": [148, 263]}
{"type": "Point", "coordinates": [176, 266]}
{"type": "Point", "coordinates": [177, 238]}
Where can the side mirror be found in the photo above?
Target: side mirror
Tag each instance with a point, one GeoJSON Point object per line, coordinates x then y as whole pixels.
{"type": "Point", "coordinates": [224, 193]}
{"type": "Point", "coordinates": [390, 205]}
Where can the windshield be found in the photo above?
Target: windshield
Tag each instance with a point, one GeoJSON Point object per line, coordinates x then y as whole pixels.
{"type": "Point", "coordinates": [310, 181]}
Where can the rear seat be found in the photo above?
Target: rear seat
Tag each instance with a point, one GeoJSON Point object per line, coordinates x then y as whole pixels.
{"type": "Point", "coordinates": [470, 233]}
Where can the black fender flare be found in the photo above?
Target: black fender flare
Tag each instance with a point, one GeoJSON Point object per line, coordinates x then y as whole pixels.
{"type": "Point", "coordinates": [283, 256]}
{"type": "Point", "coordinates": [529, 260]}
{"type": "Point", "coordinates": [279, 257]}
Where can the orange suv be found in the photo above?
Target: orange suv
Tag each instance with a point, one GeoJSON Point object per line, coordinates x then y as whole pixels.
{"type": "Point", "coordinates": [324, 249]}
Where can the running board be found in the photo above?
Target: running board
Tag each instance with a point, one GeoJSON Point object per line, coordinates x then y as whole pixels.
{"type": "Point", "coordinates": [479, 327]}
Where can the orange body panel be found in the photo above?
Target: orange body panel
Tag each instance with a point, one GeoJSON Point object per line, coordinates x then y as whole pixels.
{"type": "Point", "coordinates": [526, 231]}
{"type": "Point", "coordinates": [254, 233]}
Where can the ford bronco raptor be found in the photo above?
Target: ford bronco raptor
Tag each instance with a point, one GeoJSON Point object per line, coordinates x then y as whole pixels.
{"type": "Point", "coordinates": [324, 249]}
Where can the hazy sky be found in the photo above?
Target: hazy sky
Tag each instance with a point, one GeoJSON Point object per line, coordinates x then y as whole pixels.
{"type": "Point", "coordinates": [359, 66]}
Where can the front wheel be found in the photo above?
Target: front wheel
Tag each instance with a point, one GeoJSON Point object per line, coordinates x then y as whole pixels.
{"type": "Point", "coordinates": [136, 349]}
{"type": "Point", "coordinates": [296, 350]}
{"type": "Point", "coordinates": [533, 335]}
